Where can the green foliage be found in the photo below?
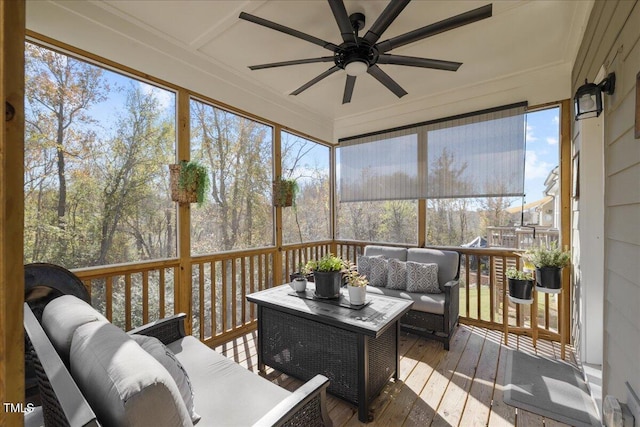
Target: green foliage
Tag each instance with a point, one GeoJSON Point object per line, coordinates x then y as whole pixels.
{"type": "Point", "coordinates": [353, 278]}
{"type": "Point", "coordinates": [286, 188]}
{"type": "Point", "coordinates": [328, 262]}
{"type": "Point", "coordinates": [512, 273]}
{"type": "Point", "coordinates": [193, 174]}
{"type": "Point", "coordinates": [548, 257]}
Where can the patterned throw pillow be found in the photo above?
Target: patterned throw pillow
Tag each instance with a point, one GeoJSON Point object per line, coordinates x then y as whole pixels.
{"type": "Point", "coordinates": [397, 274]}
{"type": "Point", "coordinates": [364, 264]}
{"type": "Point", "coordinates": [378, 274]}
{"type": "Point", "coordinates": [422, 277]}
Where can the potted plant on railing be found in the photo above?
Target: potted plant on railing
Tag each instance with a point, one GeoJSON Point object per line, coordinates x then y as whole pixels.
{"type": "Point", "coordinates": [356, 283]}
{"type": "Point", "coordinates": [285, 192]}
{"type": "Point", "coordinates": [327, 275]}
{"type": "Point", "coordinates": [189, 182]}
{"type": "Point", "coordinates": [549, 262]}
{"type": "Point", "coordinates": [520, 285]}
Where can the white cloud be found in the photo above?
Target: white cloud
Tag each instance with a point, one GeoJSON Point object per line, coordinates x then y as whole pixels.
{"type": "Point", "coordinates": [165, 97]}
{"type": "Point", "coordinates": [530, 136]}
{"type": "Point", "coordinates": [555, 120]}
{"type": "Point", "coordinates": [552, 140]}
{"type": "Point", "coordinates": [535, 168]}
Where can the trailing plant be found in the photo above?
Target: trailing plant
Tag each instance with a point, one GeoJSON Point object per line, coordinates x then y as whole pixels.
{"type": "Point", "coordinates": [194, 176]}
{"type": "Point", "coordinates": [512, 273]}
{"type": "Point", "coordinates": [352, 277]}
{"type": "Point", "coordinates": [548, 257]}
{"type": "Point", "coordinates": [284, 189]}
{"type": "Point", "coordinates": [327, 263]}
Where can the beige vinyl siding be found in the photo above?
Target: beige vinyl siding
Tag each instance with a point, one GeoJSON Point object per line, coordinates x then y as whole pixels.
{"type": "Point", "coordinates": [612, 40]}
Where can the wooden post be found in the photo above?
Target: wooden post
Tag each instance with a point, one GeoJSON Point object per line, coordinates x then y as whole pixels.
{"type": "Point", "coordinates": [277, 170]}
{"type": "Point", "coordinates": [183, 288]}
{"type": "Point", "coordinates": [564, 300]}
{"type": "Point", "coordinates": [12, 29]}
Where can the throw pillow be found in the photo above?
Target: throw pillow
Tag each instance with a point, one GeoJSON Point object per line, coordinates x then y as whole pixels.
{"type": "Point", "coordinates": [364, 264]}
{"type": "Point", "coordinates": [397, 274]}
{"type": "Point", "coordinates": [422, 277]}
{"type": "Point", "coordinates": [162, 354]}
{"type": "Point", "coordinates": [378, 274]}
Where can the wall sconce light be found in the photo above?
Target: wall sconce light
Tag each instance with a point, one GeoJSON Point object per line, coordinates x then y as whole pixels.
{"type": "Point", "coordinates": [588, 99]}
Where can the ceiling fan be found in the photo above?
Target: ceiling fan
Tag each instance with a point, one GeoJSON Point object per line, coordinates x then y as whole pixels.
{"type": "Point", "coordinates": [357, 55]}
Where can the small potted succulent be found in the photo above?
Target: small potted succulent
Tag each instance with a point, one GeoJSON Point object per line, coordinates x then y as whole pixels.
{"type": "Point", "coordinates": [299, 279]}
{"type": "Point", "coordinates": [549, 262]}
{"type": "Point", "coordinates": [356, 283]}
{"type": "Point", "coordinates": [327, 275]}
{"type": "Point", "coordinates": [520, 285]}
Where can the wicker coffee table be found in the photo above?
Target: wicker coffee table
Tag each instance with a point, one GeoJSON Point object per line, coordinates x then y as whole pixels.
{"type": "Point", "coordinates": [357, 349]}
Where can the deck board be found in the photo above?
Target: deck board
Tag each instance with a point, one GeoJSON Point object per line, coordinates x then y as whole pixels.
{"type": "Point", "coordinates": [460, 387]}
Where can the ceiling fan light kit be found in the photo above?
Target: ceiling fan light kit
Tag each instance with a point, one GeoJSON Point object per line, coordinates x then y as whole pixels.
{"type": "Point", "coordinates": [359, 55]}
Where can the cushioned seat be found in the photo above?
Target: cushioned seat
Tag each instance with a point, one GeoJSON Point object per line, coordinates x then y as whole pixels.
{"type": "Point", "coordinates": [432, 303]}
{"type": "Point", "coordinates": [214, 378]}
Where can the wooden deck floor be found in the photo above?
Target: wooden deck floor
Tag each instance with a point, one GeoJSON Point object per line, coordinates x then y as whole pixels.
{"type": "Point", "coordinates": [460, 387]}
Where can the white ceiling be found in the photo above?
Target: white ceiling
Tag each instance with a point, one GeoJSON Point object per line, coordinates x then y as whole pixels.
{"type": "Point", "coordinates": [525, 51]}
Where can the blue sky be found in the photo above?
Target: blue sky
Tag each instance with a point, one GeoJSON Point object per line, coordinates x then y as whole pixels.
{"type": "Point", "coordinates": [542, 150]}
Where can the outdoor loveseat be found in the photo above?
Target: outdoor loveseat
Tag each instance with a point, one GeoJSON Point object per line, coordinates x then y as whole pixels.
{"type": "Point", "coordinates": [433, 315]}
{"type": "Point", "coordinates": [92, 373]}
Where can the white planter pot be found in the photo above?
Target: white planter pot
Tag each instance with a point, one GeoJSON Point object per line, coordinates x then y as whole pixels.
{"type": "Point", "coordinates": [357, 294]}
{"type": "Point", "coordinates": [299, 285]}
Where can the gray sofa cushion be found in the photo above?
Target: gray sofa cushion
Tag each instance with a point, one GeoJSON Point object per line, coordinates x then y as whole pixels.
{"type": "Point", "coordinates": [61, 318]}
{"type": "Point", "coordinates": [386, 251]}
{"type": "Point", "coordinates": [124, 384]}
{"type": "Point", "coordinates": [215, 378]}
{"type": "Point", "coordinates": [447, 261]}
{"type": "Point", "coordinates": [428, 303]}
{"type": "Point", "coordinates": [168, 360]}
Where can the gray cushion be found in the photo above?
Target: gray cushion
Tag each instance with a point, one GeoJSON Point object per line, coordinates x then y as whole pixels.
{"type": "Point", "coordinates": [216, 378]}
{"type": "Point", "coordinates": [62, 316]}
{"type": "Point", "coordinates": [124, 384]}
{"type": "Point", "coordinates": [386, 251]}
{"type": "Point", "coordinates": [448, 262]}
{"type": "Point", "coordinates": [162, 354]}
{"type": "Point", "coordinates": [378, 274]}
{"type": "Point", "coordinates": [422, 277]}
{"type": "Point", "coordinates": [364, 264]}
{"type": "Point", "coordinates": [397, 274]}
{"type": "Point", "coordinates": [428, 303]}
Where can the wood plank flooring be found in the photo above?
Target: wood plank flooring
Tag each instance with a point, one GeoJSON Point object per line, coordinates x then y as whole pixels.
{"type": "Point", "coordinates": [460, 387]}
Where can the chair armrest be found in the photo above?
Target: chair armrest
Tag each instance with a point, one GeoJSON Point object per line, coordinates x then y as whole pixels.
{"type": "Point", "coordinates": [167, 330]}
{"type": "Point", "coordinates": [302, 407]}
{"type": "Point", "coordinates": [451, 304]}
{"type": "Point", "coordinates": [450, 284]}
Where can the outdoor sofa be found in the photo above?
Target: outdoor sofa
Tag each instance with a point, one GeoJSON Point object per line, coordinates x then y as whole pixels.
{"type": "Point", "coordinates": [92, 373]}
{"type": "Point", "coordinates": [433, 315]}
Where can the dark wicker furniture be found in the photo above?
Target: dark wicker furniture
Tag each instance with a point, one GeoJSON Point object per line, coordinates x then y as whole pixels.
{"type": "Point", "coordinates": [431, 325]}
{"type": "Point", "coordinates": [356, 349]}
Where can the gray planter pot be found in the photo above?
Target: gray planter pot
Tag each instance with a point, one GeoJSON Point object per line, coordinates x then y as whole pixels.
{"type": "Point", "coordinates": [549, 277]}
{"type": "Point", "coordinates": [327, 283]}
{"type": "Point", "coordinates": [521, 289]}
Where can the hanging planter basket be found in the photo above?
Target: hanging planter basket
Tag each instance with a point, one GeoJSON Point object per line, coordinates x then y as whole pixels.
{"type": "Point", "coordinates": [284, 192]}
{"type": "Point", "coordinates": [189, 182]}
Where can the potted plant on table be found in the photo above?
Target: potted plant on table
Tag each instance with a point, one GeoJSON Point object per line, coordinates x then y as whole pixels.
{"type": "Point", "coordinates": [327, 275]}
{"type": "Point", "coordinates": [189, 182]}
{"type": "Point", "coordinates": [300, 278]}
{"type": "Point", "coordinates": [549, 262]}
{"type": "Point", "coordinates": [356, 283]}
{"type": "Point", "coordinates": [520, 285]}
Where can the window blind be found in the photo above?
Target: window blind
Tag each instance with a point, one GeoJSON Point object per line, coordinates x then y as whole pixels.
{"type": "Point", "coordinates": [476, 155]}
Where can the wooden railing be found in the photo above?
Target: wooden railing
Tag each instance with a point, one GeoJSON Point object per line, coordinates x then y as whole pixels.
{"type": "Point", "coordinates": [133, 294]}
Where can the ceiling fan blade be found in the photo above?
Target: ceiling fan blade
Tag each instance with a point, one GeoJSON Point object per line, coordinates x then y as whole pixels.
{"type": "Point", "coordinates": [436, 28]}
{"type": "Point", "coordinates": [388, 15]}
{"type": "Point", "coordinates": [293, 62]}
{"type": "Point", "coordinates": [315, 80]}
{"type": "Point", "coordinates": [412, 61]}
{"type": "Point", "coordinates": [287, 30]}
{"type": "Point", "coordinates": [384, 78]}
{"type": "Point", "coordinates": [348, 89]}
{"type": "Point", "coordinates": [342, 18]}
